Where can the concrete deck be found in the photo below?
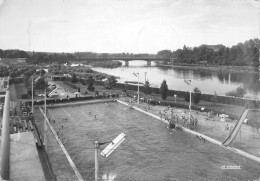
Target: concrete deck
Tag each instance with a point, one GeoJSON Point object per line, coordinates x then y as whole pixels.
{"type": "Point", "coordinates": [24, 159]}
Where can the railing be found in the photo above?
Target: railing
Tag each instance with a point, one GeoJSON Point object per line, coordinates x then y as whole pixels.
{"type": "Point", "coordinates": [5, 141]}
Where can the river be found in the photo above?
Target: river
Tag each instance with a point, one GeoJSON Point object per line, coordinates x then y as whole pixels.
{"type": "Point", "coordinates": [207, 81]}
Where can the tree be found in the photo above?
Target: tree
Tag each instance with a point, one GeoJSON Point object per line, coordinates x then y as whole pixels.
{"type": "Point", "coordinates": [214, 99]}
{"type": "Point", "coordinates": [74, 78]}
{"type": "Point", "coordinates": [90, 82]}
{"type": "Point", "coordinates": [239, 92]}
{"type": "Point", "coordinates": [6, 73]}
{"type": "Point", "coordinates": [29, 73]}
{"type": "Point", "coordinates": [110, 82]}
{"type": "Point", "coordinates": [196, 96]}
{"type": "Point", "coordinates": [147, 88]}
{"type": "Point", "coordinates": [40, 72]}
{"type": "Point", "coordinates": [187, 96]}
{"type": "Point", "coordinates": [41, 84]}
{"type": "Point", "coordinates": [164, 90]}
{"type": "Point", "coordinates": [13, 74]}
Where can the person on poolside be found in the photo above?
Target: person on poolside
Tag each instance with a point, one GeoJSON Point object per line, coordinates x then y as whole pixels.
{"type": "Point", "coordinates": [171, 126]}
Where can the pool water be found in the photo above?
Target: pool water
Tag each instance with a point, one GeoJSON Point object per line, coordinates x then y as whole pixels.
{"type": "Point", "coordinates": [149, 152]}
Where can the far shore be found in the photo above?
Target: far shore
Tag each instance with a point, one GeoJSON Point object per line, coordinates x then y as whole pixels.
{"type": "Point", "coordinates": [220, 68]}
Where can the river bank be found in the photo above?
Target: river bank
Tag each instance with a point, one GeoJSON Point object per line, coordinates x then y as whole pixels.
{"type": "Point", "coordinates": [220, 68]}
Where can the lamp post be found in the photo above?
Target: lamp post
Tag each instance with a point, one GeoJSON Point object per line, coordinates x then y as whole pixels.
{"type": "Point", "coordinates": [107, 151]}
{"type": "Point", "coordinates": [137, 75]}
{"type": "Point", "coordinates": [32, 93]}
{"type": "Point", "coordinates": [190, 101]}
{"type": "Point", "coordinates": [45, 122]}
{"type": "Point", "coordinates": [97, 145]}
{"type": "Point", "coordinates": [145, 77]}
{"type": "Point", "coordinates": [189, 83]}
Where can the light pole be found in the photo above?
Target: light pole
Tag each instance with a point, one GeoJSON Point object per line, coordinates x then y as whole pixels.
{"type": "Point", "coordinates": [45, 122]}
{"type": "Point", "coordinates": [32, 93]}
{"type": "Point", "coordinates": [145, 77]}
{"type": "Point", "coordinates": [190, 101]}
{"type": "Point", "coordinates": [107, 151]}
{"type": "Point", "coordinates": [189, 83]}
{"type": "Point", "coordinates": [137, 75]}
{"type": "Point", "coordinates": [96, 160]}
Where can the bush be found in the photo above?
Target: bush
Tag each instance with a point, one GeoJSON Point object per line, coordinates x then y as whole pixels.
{"type": "Point", "coordinates": [196, 96]}
{"type": "Point", "coordinates": [91, 89]}
{"type": "Point", "coordinates": [187, 96]}
{"type": "Point", "coordinates": [70, 85]}
{"type": "Point", "coordinates": [249, 105]}
{"type": "Point", "coordinates": [83, 82]}
{"type": "Point", "coordinates": [74, 78]}
{"type": "Point", "coordinates": [239, 92]}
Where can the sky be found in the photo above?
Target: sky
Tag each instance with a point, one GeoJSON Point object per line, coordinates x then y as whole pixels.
{"type": "Point", "coordinates": [116, 26]}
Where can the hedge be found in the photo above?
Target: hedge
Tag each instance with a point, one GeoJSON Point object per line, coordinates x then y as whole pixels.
{"type": "Point", "coordinates": [54, 101]}
{"type": "Point", "coordinates": [206, 97]}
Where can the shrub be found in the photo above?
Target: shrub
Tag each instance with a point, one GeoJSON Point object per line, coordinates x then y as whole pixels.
{"type": "Point", "coordinates": [83, 82]}
{"type": "Point", "coordinates": [74, 78]}
{"type": "Point", "coordinates": [90, 82]}
{"type": "Point", "coordinates": [249, 105]}
{"type": "Point", "coordinates": [239, 92]}
{"type": "Point", "coordinates": [91, 89]}
{"type": "Point", "coordinates": [147, 88]}
{"type": "Point", "coordinates": [70, 85]}
{"type": "Point", "coordinates": [196, 96]}
{"type": "Point", "coordinates": [110, 82]}
{"type": "Point", "coordinates": [187, 96]}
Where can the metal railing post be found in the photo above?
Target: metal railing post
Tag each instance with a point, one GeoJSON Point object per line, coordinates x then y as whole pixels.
{"type": "Point", "coordinates": [5, 140]}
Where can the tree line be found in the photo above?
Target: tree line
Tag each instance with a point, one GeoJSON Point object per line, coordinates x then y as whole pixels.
{"type": "Point", "coordinates": [242, 54]}
{"type": "Point", "coordinates": [40, 57]}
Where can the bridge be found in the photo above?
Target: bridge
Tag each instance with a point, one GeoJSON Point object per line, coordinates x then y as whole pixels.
{"type": "Point", "coordinates": [125, 59]}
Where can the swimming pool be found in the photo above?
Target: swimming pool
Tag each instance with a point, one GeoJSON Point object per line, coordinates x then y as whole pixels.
{"type": "Point", "coordinates": [149, 151]}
